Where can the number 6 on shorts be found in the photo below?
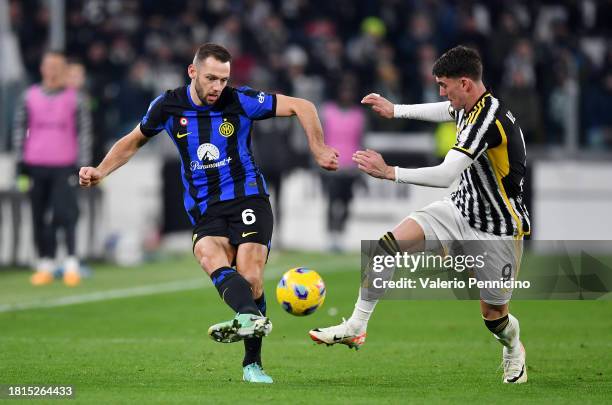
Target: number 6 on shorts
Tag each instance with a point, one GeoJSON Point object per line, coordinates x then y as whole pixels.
{"type": "Point", "coordinates": [248, 217]}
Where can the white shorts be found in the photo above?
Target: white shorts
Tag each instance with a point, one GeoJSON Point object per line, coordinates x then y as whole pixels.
{"type": "Point", "coordinates": [441, 221]}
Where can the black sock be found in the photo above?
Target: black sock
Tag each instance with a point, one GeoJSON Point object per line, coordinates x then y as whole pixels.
{"type": "Point", "coordinates": [388, 243]}
{"type": "Point", "coordinates": [234, 290]}
{"type": "Point", "coordinates": [252, 347]}
{"type": "Point", "coordinates": [497, 325]}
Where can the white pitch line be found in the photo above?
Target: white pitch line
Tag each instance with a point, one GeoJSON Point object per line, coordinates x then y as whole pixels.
{"type": "Point", "coordinates": [152, 289]}
{"type": "Point", "coordinates": [181, 285]}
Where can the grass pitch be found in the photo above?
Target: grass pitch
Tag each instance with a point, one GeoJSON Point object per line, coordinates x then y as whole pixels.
{"type": "Point", "coordinates": [148, 344]}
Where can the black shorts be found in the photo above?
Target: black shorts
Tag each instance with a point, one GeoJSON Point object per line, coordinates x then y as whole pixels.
{"type": "Point", "coordinates": [242, 220]}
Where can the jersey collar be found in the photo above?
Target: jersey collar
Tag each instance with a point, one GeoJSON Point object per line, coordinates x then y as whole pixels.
{"type": "Point", "coordinates": [485, 94]}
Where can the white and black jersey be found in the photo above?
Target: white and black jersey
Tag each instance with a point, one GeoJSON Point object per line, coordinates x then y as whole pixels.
{"type": "Point", "coordinates": [490, 192]}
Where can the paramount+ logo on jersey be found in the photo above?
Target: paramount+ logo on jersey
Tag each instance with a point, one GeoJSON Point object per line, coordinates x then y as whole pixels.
{"type": "Point", "coordinates": [207, 152]}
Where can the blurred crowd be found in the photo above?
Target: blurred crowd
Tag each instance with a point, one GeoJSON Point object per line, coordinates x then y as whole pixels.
{"type": "Point", "coordinates": [546, 59]}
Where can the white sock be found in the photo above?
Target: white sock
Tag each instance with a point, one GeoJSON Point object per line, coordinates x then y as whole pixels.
{"type": "Point", "coordinates": [71, 265]}
{"type": "Point", "coordinates": [509, 337]}
{"type": "Point", "coordinates": [358, 321]}
{"type": "Point", "coordinates": [45, 265]}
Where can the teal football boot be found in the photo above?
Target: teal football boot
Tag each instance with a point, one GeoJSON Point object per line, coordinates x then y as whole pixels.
{"type": "Point", "coordinates": [253, 373]}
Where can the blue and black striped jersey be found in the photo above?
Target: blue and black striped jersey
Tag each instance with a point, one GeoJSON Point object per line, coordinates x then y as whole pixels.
{"type": "Point", "coordinates": [214, 143]}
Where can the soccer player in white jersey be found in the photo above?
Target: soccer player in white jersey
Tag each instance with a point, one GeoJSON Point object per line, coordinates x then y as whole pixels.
{"type": "Point", "coordinates": [487, 205]}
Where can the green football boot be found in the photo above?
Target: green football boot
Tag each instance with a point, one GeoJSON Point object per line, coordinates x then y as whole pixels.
{"type": "Point", "coordinates": [243, 326]}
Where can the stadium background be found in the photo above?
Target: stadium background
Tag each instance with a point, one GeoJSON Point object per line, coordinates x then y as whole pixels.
{"type": "Point", "coordinates": [549, 61]}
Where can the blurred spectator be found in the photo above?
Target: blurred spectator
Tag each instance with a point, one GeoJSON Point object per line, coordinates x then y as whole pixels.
{"type": "Point", "coordinates": [419, 31]}
{"type": "Point", "coordinates": [134, 96]}
{"type": "Point", "coordinates": [387, 82]}
{"type": "Point", "coordinates": [310, 87]}
{"type": "Point", "coordinates": [563, 100]}
{"type": "Point", "coordinates": [471, 34]}
{"type": "Point", "coordinates": [311, 44]}
{"type": "Point", "coordinates": [275, 158]}
{"type": "Point", "coordinates": [344, 125]}
{"type": "Point", "coordinates": [76, 75]}
{"type": "Point", "coordinates": [52, 135]}
{"type": "Point", "coordinates": [362, 50]}
{"type": "Point", "coordinates": [519, 91]}
{"type": "Point", "coordinates": [501, 42]}
{"type": "Point", "coordinates": [597, 117]}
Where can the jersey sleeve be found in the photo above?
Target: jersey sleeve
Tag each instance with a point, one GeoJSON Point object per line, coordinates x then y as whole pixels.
{"type": "Point", "coordinates": [257, 105]}
{"type": "Point", "coordinates": [153, 121]}
{"type": "Point", "coordinates": [478, 134]}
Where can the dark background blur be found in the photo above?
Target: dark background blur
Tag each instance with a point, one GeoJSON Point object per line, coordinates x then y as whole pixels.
{"type": "Point", "coordinates": [549, 60]}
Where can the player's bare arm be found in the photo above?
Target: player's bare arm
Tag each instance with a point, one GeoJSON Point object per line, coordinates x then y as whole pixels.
{"type": "Point", "coordinates": [443, 175]}
{"type": "Point", "coordinates": [326, 156]}
{"type": "Point", "coordinates": [117, 156]}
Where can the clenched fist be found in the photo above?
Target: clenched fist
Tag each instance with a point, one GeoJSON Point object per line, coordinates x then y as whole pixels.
{"type": "Point", "coordinates": [326, 157]}
{"type": "Point", "coordinates": [90, 176]}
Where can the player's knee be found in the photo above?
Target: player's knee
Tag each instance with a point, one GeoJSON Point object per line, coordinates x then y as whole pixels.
{"type": "Point", "coordinates": [491, 312]}
{"type": "Point", "coordinates": [409, 230]}
{"type": "Point", "coordinates": [210, 259]}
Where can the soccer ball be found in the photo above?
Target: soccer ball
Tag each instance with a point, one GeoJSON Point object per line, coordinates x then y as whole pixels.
{"type": "Point", "coordinates": [300, 291]}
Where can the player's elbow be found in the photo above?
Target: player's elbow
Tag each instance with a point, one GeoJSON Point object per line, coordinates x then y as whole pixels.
{"type": "Point", "coordinates": [303, 106]}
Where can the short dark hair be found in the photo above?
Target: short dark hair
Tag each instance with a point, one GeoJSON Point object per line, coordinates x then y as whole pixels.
{"type": "Point", "coordinates": [216, 51]}
{"type": "Point", "coordinates": [459, 61]}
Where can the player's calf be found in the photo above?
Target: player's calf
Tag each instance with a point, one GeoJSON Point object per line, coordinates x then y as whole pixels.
{"type": "Point", "coordinates": [234, 290]}
{"type": "Point", "coordinates": [507, 330]}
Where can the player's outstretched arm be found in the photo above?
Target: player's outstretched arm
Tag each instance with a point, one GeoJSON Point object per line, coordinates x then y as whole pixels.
{"type": "Point", "coordinates": [433, 112]}
{"type": "Point", "coordinates": [325, 155]}
{"type": "Point", "coordinates": [117, 156]}
{"type": "Point", "coordinates": [443, 175]}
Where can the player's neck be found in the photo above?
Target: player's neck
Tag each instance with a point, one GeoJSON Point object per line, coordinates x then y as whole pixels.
{"type": "Point", "coordinates": [194, 96]}
{"type": "Point", "coordinates": [475, 95]}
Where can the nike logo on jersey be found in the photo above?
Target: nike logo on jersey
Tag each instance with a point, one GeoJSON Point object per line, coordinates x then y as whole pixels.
{"type": "Point", "coordinates": [179, 135]}
{"type": "Point", "coordinates": [245, 234]}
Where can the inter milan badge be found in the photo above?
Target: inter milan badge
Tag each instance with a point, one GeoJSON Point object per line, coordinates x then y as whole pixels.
{"type": "Point", "coordinates": [226, 129]}
{"type": "Point", "coordinates": [183, 121]}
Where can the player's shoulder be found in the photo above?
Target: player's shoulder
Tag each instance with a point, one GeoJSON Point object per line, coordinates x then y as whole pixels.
{"type": "Point", "coordinates": [486, 109]}
{"type": "Point", "coordinates": [247, 91]}
{"type": "Point", "coordinates": [248, 94]}
{"type": "Point", "coordinates": [238, 98]}
{"type": "Point", "coordinates": [177, 96]}
{"type": "Point", "coordinates": [504, 115]}
{"type": "Point", "coordinates": [489, 101]}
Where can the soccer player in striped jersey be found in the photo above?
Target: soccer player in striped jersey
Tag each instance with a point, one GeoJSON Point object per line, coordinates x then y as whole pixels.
{"type": "Point", "coordinates": [489, 157]}
{"type": "Point", "coordinates": [225, 194]}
